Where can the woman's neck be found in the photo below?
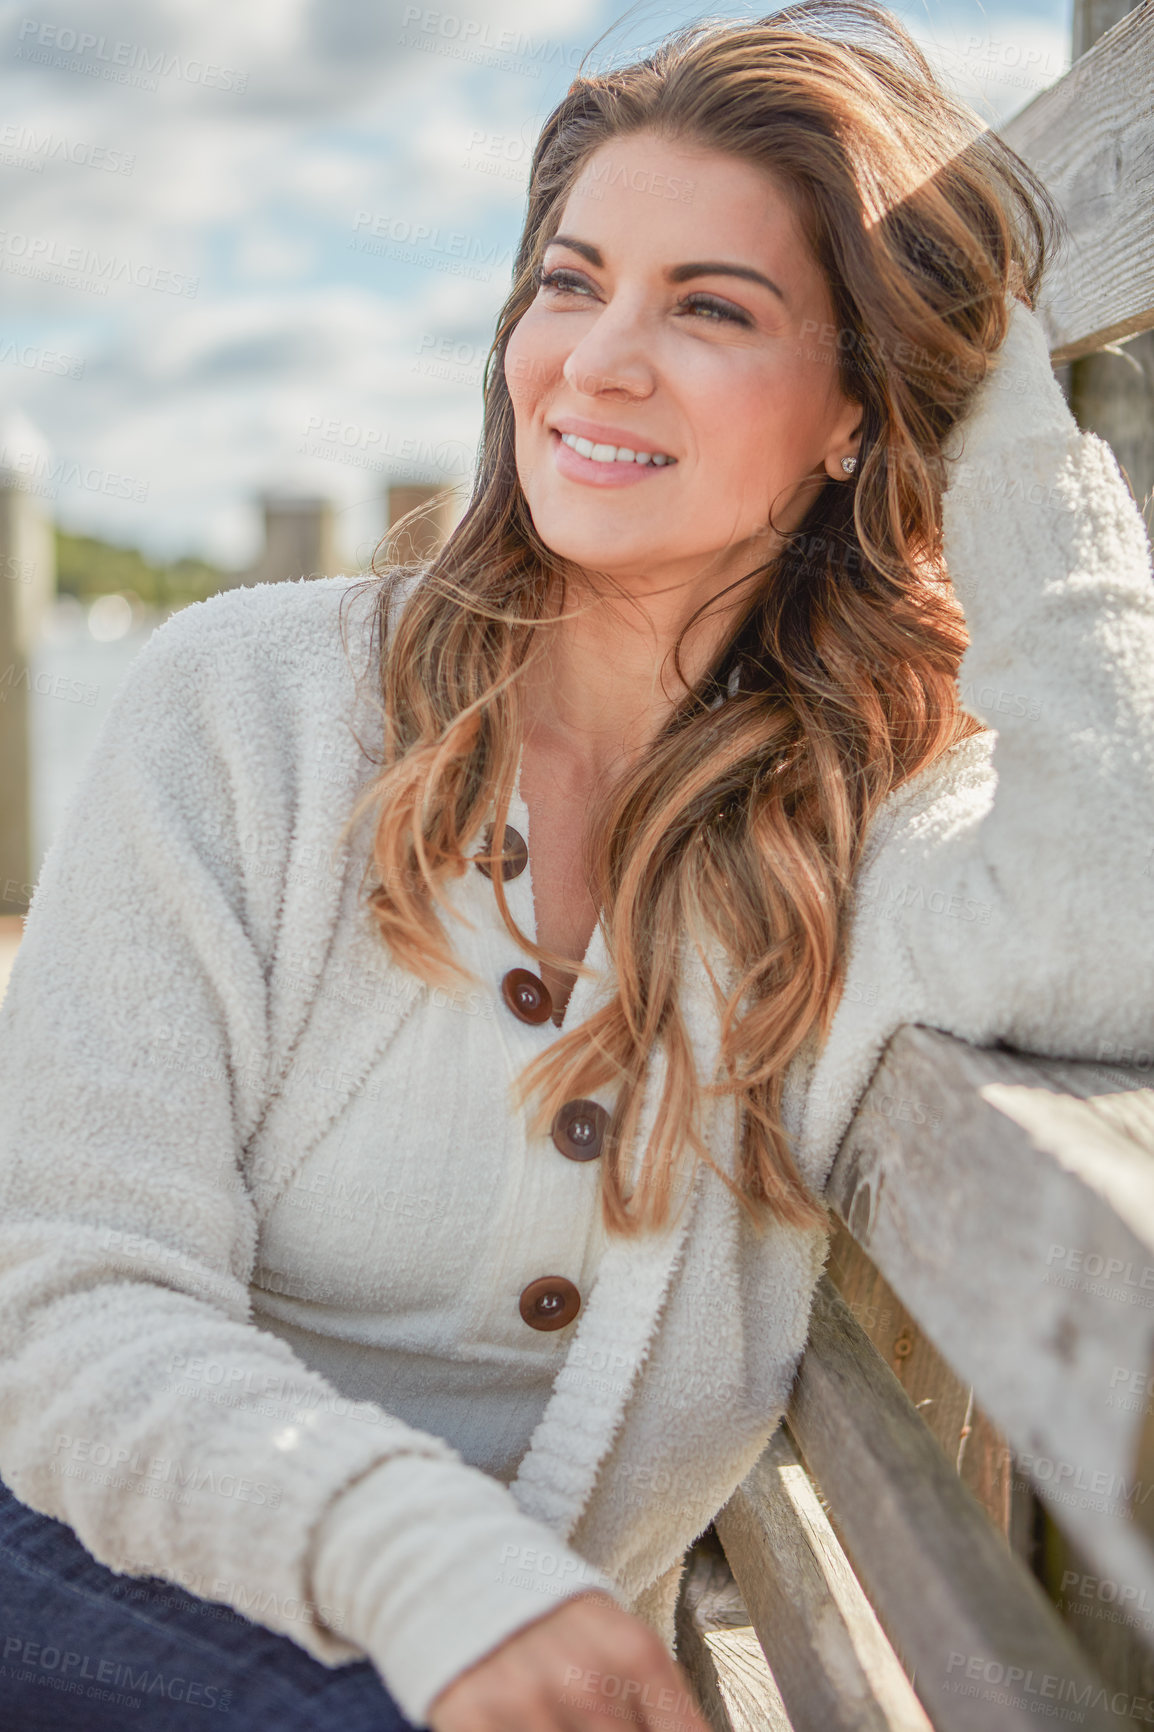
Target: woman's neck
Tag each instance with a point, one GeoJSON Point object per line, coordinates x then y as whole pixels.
{"type": "Point", "coordinates": [603, 684]}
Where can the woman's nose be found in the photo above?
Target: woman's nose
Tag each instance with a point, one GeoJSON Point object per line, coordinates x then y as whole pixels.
{"type": "Point", "coordinates": [614, 353]}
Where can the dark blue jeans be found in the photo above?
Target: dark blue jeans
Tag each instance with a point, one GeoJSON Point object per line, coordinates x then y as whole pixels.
{"type": "Point", "coordinates": [85, 1650]}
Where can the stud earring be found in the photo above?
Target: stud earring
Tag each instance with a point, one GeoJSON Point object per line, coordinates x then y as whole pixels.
{"type": "Point", "coordinates": [849, 464]}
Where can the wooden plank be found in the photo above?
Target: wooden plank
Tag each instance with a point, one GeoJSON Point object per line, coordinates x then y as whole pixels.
{"type": "Point", "coordinates": [1104, 1622]}
{"type": "Point", "coordinates": [947, 1405]}
{"type": "Point", "coordinates": [1112, 393]}
{"type": "Point", "coordinates": [833, 1665]}
{"type": "Point", "coordinates": [720, 1652]}
{"type": "Point", "coordinates": [1091, 138]}
{"type": "Point", "coordinates": [1107, 1628]}
{"type": "Point", "coordinates": [985, 1649]}
{"type": "Point", "coordinates": [1020, 1235]}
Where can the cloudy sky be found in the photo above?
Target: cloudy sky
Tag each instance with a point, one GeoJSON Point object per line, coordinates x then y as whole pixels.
{"type": "Point", "coordinates": [261, 244]}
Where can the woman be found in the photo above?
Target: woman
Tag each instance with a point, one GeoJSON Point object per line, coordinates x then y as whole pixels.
{"type": "Point", "coordinates": [413, 1154]}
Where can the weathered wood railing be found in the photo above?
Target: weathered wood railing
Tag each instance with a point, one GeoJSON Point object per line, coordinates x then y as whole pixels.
{"type": "Point", "coordinates": [1013, 1245]}
{"type": "Point", "coordinates": [1089, 136]}
{"type": "Point", "coordinates": [954, 1526]}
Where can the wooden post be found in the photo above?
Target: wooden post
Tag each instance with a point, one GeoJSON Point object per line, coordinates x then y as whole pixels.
{"type": "Point", "coordinates": [1112, 394]}
{"type": "Point", "coordinates": [27, 586]}
{"type": "Point", "coordinates": [432, 512]}
{"type": "Point", "coordinates": [1092, 18]}
{"type": "Point", "coordinates": [299, 540]}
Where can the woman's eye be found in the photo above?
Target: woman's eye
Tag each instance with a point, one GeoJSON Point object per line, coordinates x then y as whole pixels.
{"type": "Point", "coordinates": [722, 309]}
{"type": "Point", "coordinates": [558, 279]}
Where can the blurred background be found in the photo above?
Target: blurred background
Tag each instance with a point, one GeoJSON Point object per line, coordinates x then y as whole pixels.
{"type": "Point", "coordinates": [251, 259]}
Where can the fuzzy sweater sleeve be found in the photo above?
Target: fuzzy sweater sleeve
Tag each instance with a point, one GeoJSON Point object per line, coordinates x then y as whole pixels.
{"type": "Point", "coordinates": [134, 1053]}
{"type": "Point", "coordinates": [1021, 907]}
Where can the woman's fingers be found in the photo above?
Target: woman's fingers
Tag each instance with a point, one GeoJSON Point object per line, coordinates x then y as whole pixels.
{"type": "Point", "coordinates": [581, 1666]}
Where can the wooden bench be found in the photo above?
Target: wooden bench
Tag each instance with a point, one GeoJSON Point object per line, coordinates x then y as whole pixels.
{"type": "Point", "coordinates": [954, 1525]}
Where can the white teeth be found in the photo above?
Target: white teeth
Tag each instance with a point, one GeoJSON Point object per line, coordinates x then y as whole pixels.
{"type": "Point", "coordinates": [613, 453]}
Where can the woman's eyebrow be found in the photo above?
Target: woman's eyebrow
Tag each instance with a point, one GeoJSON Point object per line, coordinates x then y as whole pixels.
{"type": "Point", "coordinates": [680, 273]}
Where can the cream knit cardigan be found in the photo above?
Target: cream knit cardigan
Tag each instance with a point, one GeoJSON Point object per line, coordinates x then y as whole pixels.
{"type": "Point", "coordinates": [197, 995]}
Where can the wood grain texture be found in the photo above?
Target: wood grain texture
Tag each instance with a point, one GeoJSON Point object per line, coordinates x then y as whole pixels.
{"type": "Point", "coordinates": [1091, 138]}
{"type": "Point", "coordinates": [968, 1437]}
{"type": "Point", "coordinates": [720, 1652]}
{"type": "Point", "coordinates": [1089, 1607]}
{"type": "Point", "coordinates": [962, 1612]}
{"type": "Point", "coordinates": [833, 1664]}
{"type": "Point", "coordinates": [1020, 1235]}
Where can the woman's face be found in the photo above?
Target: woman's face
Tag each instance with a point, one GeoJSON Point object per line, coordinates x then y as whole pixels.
{"type": "Point", "coordinates": [683, 326]}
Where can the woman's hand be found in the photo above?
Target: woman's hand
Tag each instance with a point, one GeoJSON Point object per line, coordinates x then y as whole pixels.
{"type": "Point", "coordinates": [568, 1672]}
{"type": "Point", "coordinates": [1018, 401]}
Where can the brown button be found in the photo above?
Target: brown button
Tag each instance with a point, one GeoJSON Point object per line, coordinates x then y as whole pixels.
{"type": "Point", "coordinates": [550, 1302]}
{"type": "Point", "coordinates": [527, 997]}
{"type": "Point", "coordinates": [579, 1130]}
{"type": "Point", "coordinates": [514, 848]}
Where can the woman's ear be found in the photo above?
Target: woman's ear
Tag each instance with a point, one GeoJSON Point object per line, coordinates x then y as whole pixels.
{"type": "Point", "coordinates": [841, 458]}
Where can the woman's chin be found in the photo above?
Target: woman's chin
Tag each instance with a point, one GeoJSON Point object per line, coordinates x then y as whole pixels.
{"type": "Point", "coordinates": [602, 550]}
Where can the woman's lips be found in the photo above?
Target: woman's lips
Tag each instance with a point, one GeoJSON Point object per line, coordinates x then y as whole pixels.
{"type": "Point", "coordinates": [574, 467]}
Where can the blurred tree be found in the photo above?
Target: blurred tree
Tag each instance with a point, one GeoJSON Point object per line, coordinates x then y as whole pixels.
{"type": "Point", "coordinates": [87, 567]}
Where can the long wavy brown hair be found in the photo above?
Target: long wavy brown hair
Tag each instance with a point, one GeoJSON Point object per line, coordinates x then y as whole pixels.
{"type": "Point", "coordinates": [742, 822]}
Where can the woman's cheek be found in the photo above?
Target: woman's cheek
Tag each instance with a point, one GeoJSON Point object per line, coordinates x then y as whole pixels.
{"type": "Point", "coordinates": [516, 370]}
{"type": "Point", "coordinates": [525, 363]}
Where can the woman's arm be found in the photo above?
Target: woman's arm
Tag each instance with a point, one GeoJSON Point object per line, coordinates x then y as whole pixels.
{"type": "Point", "coordinates": [134, 1058]}
{"type": "Point", "coordinates": [1029, 916]}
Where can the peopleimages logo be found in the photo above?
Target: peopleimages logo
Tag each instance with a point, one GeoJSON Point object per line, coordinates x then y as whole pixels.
{"type": "Point", "coordinates": [45, 477]}
{"type": "Point", "coordinates": [42, 147]}
{"type": "Point", "coordinates": [80, 266]}
{"type": "Point", "coordinates": [473, 39]}
{"type": "Point", "coordinates": [130, 1470]}
{"type": "Point", "coordinates": [36, 359]}
{"type": "Point", "coordinates": [65, 1670]}
{"type": "Point", "coordinates": [99, 57]}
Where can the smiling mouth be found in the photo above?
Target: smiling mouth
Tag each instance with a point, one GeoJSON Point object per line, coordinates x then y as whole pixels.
{"type": "Point", "coordinates": [614, 453]}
